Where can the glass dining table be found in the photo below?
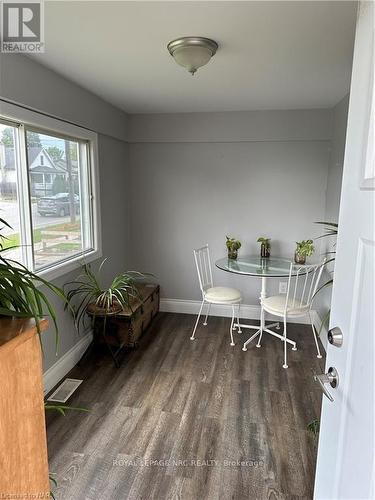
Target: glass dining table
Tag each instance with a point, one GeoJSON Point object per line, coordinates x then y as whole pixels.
{"type": "Point", "coordinates": [264, 268]}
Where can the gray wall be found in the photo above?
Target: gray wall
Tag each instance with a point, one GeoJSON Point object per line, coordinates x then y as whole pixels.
{"type": "Point", "coordinates": [239, 126]}
{"type": "Point", "coordinates": [25, 82]}
{"type": "Point", "coordinates": [331, 213]}
{"type": "Point", "coordinates": [197, 177]}
{"type": "Point", "coordinates": [340, 113]}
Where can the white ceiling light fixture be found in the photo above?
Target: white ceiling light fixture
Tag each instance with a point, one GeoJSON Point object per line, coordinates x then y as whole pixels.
{"type": "Point", "coordinates": [192, 52]}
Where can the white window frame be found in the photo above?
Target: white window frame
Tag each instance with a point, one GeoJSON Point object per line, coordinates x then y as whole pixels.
{"type": "Point", "coordinates": [47, 124]}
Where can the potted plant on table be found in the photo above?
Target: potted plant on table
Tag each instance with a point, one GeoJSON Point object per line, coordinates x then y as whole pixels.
{"type": "Point", "coordinates": [265, 247]}
{"type": "Point", "coordinates": [305, 248]}
{"type": "Point", "coordinates": [233, 246]}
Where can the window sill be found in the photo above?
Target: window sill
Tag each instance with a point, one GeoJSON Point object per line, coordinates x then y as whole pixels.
{"type": "Point", "coordinates": [59, 270]}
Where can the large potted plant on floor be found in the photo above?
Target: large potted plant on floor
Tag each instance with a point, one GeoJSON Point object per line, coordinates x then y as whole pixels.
{"type": "Point", "coordinates": [88, 295]}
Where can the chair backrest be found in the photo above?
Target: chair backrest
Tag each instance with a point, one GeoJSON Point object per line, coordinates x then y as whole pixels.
{"type": "Point", "coordinates": [303, 283]}
{"type": "Point", "coordinates": [203, 263]}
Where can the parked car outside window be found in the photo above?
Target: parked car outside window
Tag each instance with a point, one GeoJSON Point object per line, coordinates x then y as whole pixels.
{"type": "Point", "coordinates": [57, 204]}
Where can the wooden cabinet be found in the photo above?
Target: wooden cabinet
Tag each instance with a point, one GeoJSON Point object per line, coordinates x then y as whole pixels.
{"type": "Point", "coordinates": [23, 443]}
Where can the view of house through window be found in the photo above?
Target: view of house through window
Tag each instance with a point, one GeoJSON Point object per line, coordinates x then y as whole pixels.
{"type": "Point", "coordinates": [54, 199]}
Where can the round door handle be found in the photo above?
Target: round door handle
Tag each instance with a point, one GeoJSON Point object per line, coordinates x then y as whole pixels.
{"type": "Point", "coordinates": [335, 336]}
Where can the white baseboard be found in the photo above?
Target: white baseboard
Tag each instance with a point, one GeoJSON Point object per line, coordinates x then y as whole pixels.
{"type": "Point", "coordinates": [247, 312]}
{"type": "Point", "coordinates": [56, 372]}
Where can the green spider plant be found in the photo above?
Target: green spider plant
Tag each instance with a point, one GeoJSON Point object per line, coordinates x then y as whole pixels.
{"type": "Point", "coordinates": [87, 290]}
{"type": "Point", "coordinates": [20, 296]}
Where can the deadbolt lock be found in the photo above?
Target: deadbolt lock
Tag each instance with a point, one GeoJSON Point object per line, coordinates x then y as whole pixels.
{"type": "Point", "coordinates": [335, 336]}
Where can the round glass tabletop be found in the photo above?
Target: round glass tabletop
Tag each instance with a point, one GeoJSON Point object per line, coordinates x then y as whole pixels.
{"type": "Point", "coordinates": [254, 265]}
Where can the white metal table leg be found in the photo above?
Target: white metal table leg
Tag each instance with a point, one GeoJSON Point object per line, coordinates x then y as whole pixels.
{"type": "Point", "coordinates": [260, 332]}
{"type": "Point", "coordinates": [281, 337]}
{"type": "Point", "coordinates": [250, 339]}
{"type": "Point", "coordinates": [261, 298]}
{"type": "Point", "coordinates": [263, 326]}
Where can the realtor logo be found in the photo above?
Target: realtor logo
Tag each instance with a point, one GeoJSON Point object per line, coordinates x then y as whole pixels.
{"type": "Point", "coordinates": [22, 26]}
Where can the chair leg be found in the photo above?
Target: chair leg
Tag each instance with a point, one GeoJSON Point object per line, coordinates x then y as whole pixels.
{"type": "Point", "coordinates": [315, 338]}
{"type": "Point", "coordinates": [231, 328]}
{"type": "Point", "coordinates": [261, 327]}
{"type": "Point", "coordinates": [285, 362]}
{"type": "Point", "coordinates": [207, 314]}
{"type": "Point", "coordinates": [197, 321]}
{"type": "Point", "coordinates": [239, 317]}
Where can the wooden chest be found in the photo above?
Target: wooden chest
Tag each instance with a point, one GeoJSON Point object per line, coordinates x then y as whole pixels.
{"type": "Point", "coordinates": [124, 329]}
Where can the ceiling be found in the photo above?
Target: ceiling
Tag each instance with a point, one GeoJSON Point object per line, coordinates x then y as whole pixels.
{"type": "Point", "coordinates": [272, 55]}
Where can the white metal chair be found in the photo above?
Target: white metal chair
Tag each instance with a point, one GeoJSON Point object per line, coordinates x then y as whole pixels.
{"type": "Point", "coordinates": [214, 295]}
{"type": "Point", "coordinates": [297, 301]}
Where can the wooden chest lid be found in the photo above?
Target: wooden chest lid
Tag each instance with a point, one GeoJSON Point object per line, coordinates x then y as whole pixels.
{"type": "Point", "coordinates": [145, 291]}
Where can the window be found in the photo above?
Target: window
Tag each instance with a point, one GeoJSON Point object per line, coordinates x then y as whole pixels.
{"type": "Point", "coordinates": [47, 193]}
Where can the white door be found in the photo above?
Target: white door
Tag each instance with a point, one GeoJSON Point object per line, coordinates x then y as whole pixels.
{"type": "Point", "coordinates": [345, 467]}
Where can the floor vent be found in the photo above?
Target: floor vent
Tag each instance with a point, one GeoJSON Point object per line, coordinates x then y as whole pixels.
{"type": "Point", "coordinates": [65, 390]}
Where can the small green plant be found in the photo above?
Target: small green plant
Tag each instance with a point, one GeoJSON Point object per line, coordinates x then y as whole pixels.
{"type": "Point", "coordinates": [314, 427]}
{"type": "Point", "coordinates": [264, 241]}
{"type": "Point", "coordinates": [265, 246]}
{"type": "Point", "coordinates": [62, 408]}
{"type": "Point", "coordinates": [305, 248]}
{"type": "Point", "coordinates": [233, 246]}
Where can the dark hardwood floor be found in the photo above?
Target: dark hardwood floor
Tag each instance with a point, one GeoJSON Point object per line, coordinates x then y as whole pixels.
{"type": "Point", "coordinates": [179, 416]}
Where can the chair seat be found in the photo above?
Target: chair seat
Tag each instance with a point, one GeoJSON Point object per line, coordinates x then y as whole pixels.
{"type": "Point", "coordinates": [222, 295]}
{"type": "Point", "coordinates": [276, 305]}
